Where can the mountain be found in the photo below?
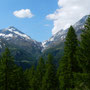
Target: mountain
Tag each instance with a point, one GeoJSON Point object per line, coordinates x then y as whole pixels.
{"type": "Point", "coordinates": [59, 37]}
{"type": "Point", "coordinates": [23, 48]}
{"type": "Point", "coordinates": [55, 45]}
{"type": "Point", "coordinates": [27, 51]}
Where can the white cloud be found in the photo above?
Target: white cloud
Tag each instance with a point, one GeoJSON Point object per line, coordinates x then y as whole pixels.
{"type": "Point", "coordinates": [23, 13]}
{"type": "Point", "coordinates": [69, 12]}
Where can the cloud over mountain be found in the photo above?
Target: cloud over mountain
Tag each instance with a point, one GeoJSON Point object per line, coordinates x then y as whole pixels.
{"type": "Point", "coordinates": [68, 13]}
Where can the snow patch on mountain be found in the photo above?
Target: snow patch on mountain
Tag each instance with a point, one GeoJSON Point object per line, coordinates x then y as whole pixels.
{"type": "Point", "coordinates": [0, 46]}
{"type": "Point", "coordinates": [6, 36]}
{"type": "Point", "coordinates": [60, 35]}
{"type": "Point", "coordinates": [44, 43]}
{"type": "Point", "coordinates": [11, 29]}
{"type": "Point", "coordinates": [13, 32]}
{"type": "Point", "coordinates": [22, 35]}
{"type": "Point", "coordinates": [13, 35]}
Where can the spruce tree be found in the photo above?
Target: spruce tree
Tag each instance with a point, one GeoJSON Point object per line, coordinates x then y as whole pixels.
{"type": "Point", "coordinates": [85, 47]}
{"type": "Point", "coordinates": [31, 77]}
{"type": "Point", "coordinates": [40, 71]}
{"type": "Point", "coordinates": [49, 80]}
{"type": "Point", "coordinates": [69, 64]}
{"type": "Point", "coordinates": [84, 52]}
{"type": "Point", "coordinates": [11, 76]}
{"type": "Point", "coordinates": [20, 81]}
{"type": "Point", "coordinates": [6, 71]}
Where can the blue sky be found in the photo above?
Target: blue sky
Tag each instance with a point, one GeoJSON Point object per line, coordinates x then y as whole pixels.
{"type": "Point", "coordinates": [37, 27]}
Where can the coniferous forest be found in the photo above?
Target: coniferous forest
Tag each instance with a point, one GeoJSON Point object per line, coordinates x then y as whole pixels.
{"type": "Point", "coordinates": [73, 72]}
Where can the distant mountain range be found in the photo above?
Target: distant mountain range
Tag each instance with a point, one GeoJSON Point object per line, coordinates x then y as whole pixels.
{"type": "Point", "coordinates": [27, 51]}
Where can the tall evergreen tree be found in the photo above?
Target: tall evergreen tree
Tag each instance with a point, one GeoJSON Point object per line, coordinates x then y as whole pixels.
{"type": "Point", "coordinates": [69, 64]}
{"type": "Point", "coordinates": [84, 52]}
{"type": "Point", "coordinates": [11, 76]}
{"type": "Point", "coordinates": [20, 81]}
{"type": "Point", "coordinates": [49, 79]}
{"type": "Point", "coordinates": [40, 71]}
{"type": "Point", "coordinates": [6, 71]}
{"type": "Point", "coordinates": [85, 48]}
{"type": "Point", "coordinates": [31, 77]}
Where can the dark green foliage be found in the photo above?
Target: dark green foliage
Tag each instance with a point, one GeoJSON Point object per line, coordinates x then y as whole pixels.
{"type": "Point", "coordinates": [81, 81]}
{"type": "Point", "coordinates": [30, 75]}
{"type": "Point", "coordinates": [11, 76]}
{"type": "Point", "coordinates": [56, 51]}
{"type": "Point", "coordinates": [20, 82]}
{"type": "Point", "coordinates": [70, 49]}
{"type": "Point", "coordinates": [40, 71]}
{"type": "Point", "coordinates": [49, 79]}
{"type": "Point", "coordinates": [69, 64]}
{"type": "Point", "coordinates": [62, 74]}
{"type": "Point", "coordinates": [6, 71]}
{"type": "Point", "coordinates": [84, 53]}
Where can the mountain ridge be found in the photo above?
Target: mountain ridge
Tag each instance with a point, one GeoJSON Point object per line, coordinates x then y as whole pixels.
{"type": "Point", "coordinates": [23, 48]}
{"type": "Point", "coordinates": [60, 35]}
{"type": "Point", "coordinates": [27, 51]}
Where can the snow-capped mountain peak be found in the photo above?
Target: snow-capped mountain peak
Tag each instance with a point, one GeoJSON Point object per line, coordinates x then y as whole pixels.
{"type": "Point", "coordinates": [12, 32]}
{"type": "Point", "coordinates": [15, 37]}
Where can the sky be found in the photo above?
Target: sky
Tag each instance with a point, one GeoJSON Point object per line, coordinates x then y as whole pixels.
{"type": "Point", "coordinates": [40, 19]}
{"type": "Point", "coordinates": [35, 24]}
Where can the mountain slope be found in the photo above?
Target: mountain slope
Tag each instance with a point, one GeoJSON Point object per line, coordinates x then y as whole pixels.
{"type": "Point", "coordinates": [27, 51]}
{"type": "Point", "coordinates": [59, 37]}
{"type": "Point", "coordinates": [23, 47]}
{"type": "Point", "coordinates": [55, 45]}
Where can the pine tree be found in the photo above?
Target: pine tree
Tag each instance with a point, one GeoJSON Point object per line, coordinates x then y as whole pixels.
{"type": "Point", "coordinates": [49, 79]}
{"type": "Point", "coordinates": [20, 81]}
{"type": "Point", "coordinates": [85, 48]}
{"type": "Point", "coordinates": [11, 76]}
{"type": "Point", "coordinates": [40, 73]}
{"type": "Point", "coordinates": [6, 71]}
{"type": "Point", "coordinates": [68, 64]}
{"type": "Point", "coordinates": [84, 52]}
{"type": "Point", "coordinates": [31, 77]}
